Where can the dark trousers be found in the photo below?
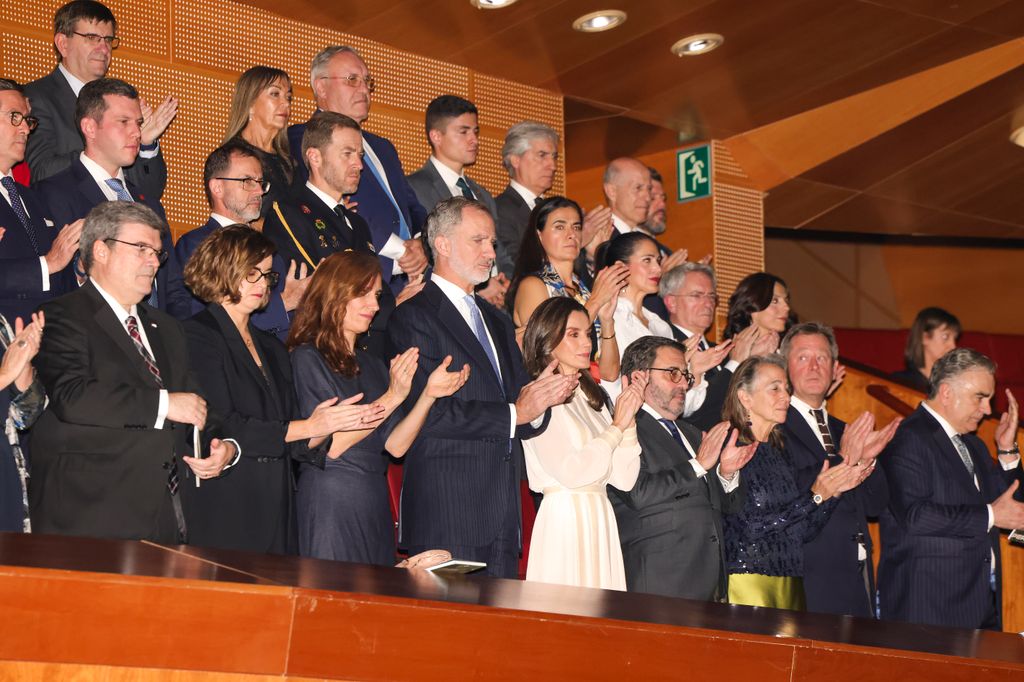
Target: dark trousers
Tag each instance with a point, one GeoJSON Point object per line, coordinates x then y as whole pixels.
{"type": "Point", "coordinates": [501, 555]}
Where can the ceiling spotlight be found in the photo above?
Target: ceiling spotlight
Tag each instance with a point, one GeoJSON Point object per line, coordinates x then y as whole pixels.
{"type": "Point", "coordinates": [491, 4]}
{"type": "Point", "coordinates": [604, 20]}
{"type": "Point", "coordinates": [698, 44]}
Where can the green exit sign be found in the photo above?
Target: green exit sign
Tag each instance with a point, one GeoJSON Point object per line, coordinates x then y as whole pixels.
{"type": "Point", "coordinates": [694, 173]}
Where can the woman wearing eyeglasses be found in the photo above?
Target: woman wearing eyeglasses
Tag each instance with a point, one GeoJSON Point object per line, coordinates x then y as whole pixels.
{"type": "Point", "coordinates": [260, 109]}
{"type": "Point", "coordinates": [246, 379]}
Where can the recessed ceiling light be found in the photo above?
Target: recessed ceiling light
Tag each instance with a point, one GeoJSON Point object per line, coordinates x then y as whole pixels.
{"type": "Point", "coordinates": [604, 20]}
{"type": "Point", "coordinates": [698, 44]}
{"type": "Point", "coordinates": [491, 4]}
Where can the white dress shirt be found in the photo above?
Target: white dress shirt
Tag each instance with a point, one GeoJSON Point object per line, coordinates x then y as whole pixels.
{"type": "Point", "coordinates": [101, 176]}
{"type": "Point", "coordinates": [621, 225]}
{"type": "Point", "coordinates": [727, 485]}
{"type": "Point", "coordinates": [529, 197]}
{"type": "Point", "coordinates": [43, 267]}
{"type": "Point", "coordinates": [450, 177]}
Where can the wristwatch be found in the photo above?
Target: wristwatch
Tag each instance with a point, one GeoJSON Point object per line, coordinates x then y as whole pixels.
{"type": "Point", "coordinates": [818, 499]}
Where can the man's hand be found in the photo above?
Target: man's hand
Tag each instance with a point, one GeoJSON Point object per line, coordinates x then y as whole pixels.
{"type": "Point", "coordinates": [1008, 513]}
{"type": "Point", "coordinates": [675, 259]}
{"type": "Point", "coordinates": [186, 408]}
{"type": "Point", "coordinates": [64, 246]}
{"type": "Point", "coordinates": [838, 374]}
{"type": "Point", "coordinates": [409, 290]}
{"type": "Point", "coordinates": [546, 390]}
{"type": "Point", "coordinates": [703, 360]}
{"type": "Point", "coordinates": [295, 284]}
{"type": "Point", "coordinates": [597, 224]}
{"type": "Point", "coordinates": [494, 292]}
{"type": "Point", "coordinates": [414, 261]}
{"type": "Point", "coordinates": [221, 454]}
{"type": "Point", "coordinates": [155, 122]}
{"type": "Point", "coordinates": [1006, 431]}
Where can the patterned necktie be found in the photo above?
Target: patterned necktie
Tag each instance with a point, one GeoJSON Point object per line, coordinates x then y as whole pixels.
{"type": "Point", "coordinates": [403, 228]}
{"type": "Point", "coordinates": [826, 435]}
{"type": "Point", "coordinates": [464, 188]}
{"type": "Point", "coordinates": [133, 331]}
{"type": "Point", "coordinates": [19, 209]}
{"type": "Point", "coordinates": [119, 190]}
{"type": "Point", "coordinates": [481, 334]}
{"type": "Point", "coordinates": [965, 455]}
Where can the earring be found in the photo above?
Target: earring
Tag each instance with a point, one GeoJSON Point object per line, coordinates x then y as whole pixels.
{"type": "Point", "coordinates": [747, 417]}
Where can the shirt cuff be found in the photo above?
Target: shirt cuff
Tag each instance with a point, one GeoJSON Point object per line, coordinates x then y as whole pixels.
{"type": "Point", "coordinates": [238, 453]}
{"type": "Point", "coordinates": [46, 273]}
{"type": "Point", "coordinates": [515, 418]}
{"type": "Point", "coordinates": [697, 468]}
{"type": "Point", "coordinates": [394, 247]}
{"type": "Point", "coordinates": [731, 365]}
{"type": "Point", "coordinates": [161, 410]}
{"type": "Point", "coordinates": [727, 485]}
{"type": "Point", "coordinates": [991, 516]}
{"type": "Point", "coordinates": [147, 152]}
{"type": "Point", "coordinates": [1009, 466]}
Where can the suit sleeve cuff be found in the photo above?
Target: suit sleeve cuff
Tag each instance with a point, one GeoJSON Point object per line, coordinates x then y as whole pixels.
{"type": "Point", "coordinates": [727, 485]}
{"type": "Point", "coordinates": [731, 365]}
{"type": "Point", "coordinates": [238, 453]}
{"type": "Point", "coordinates": [161, 410]}
{"type": "Point", "coordinates": [149, 151]}
{"type": "Point", "coordinates": [394, 248]}
{"type": "Point", "coordinates": [45, 272]}
{"type": "Point", "coordinates": [1009, 466]}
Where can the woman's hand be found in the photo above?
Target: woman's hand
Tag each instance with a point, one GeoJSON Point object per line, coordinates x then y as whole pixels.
{"type": "Point", "coordinates": [403, 369]}
{"type": "Point", "coordinates": [17, 362]}
{"type": "Point", "coordinates": [332, 416]}
{"type": "Point", "coordinates": [441, 383]}
{"type": "Point", "coordinates": [607, 285]}
{"type": "Point", "coordinates": [630, 400]}
{"type": "Point", "coordinates": [834, 481]}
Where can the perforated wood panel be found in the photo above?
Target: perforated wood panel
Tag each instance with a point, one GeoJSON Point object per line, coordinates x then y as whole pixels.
{"type": "Point", "coordinates": [195, 50]}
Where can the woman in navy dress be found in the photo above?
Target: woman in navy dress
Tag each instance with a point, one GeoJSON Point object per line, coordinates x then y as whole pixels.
{"type": "Point", "coordinates": [343, 508]}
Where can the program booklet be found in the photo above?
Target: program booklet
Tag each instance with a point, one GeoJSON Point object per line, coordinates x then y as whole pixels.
{"type": "Point", "coordinates": [457, 566]}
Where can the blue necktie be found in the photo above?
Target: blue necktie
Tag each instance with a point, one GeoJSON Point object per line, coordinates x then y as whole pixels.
{"type": "Point", "coordinates": [403, 228]}
{"type": "Point", "coordinates": [674, 430]}
{"type": "Point", "coordinates": [481, 334]}
{"type": "Point", "coordinates": [119, 190]}
{"type": "Point", "coordinates": [19, 210]}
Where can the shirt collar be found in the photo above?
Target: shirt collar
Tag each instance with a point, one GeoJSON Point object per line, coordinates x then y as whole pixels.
{"type": "Point", "coordinates": [98, 173]}
{"type": "Point", "coordinates": [804, 408]}
{"type": "Point", "coordinates": [620, 224]}
{"type": "Point", "coordinates": [222, 220]}
{"type": "Point", "coordinates": [74, 81]}
{"type": "Point", "coordinates": [950, 431]}
{"type": "Point", "coordinates": [686, 331]}
{"type": "Point", "coordinates": [449, 176]}
{"type": "Point", "coordinates": [529, 197]}
{"type": "Point", "coordinates": [324, 197]}
{"type": "Point", "coordinates": [454, 293]}
{"type": "Point", "coordinates": [114, 305]}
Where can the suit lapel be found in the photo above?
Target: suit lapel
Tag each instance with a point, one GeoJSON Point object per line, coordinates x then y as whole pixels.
{"type": "Point", "coordinates": [237, 346]}
{"type": "Point", "coordinates": [156, 342]}
{"type": "Point", "coordinates": [799, 427]}
{"type": "Point", "coordinates": [948, 452]}
{"type": "Point", "coordinates": [452, 319]}
{"type": "Point", "coordinates": [503, 356]}
{"type": "Point", "coordinates": [437, 183]}
{"type": "Point", "coordinates": [87, 184]}
{"type": "Point", "coordinates": [112, 327]}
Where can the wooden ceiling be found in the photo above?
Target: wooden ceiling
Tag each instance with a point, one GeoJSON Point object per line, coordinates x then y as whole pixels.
{"type": "Point", "coordinates": [916, 157]}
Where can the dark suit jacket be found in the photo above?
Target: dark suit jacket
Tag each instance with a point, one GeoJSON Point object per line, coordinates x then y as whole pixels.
{"type": "Point", "coordinates": [513, 217]}
{"type": "Point", "coordinates": [21, 279]}
{"type": "Point", "coordinates": [462, 473]}
{"type": "Point", "coordinates": [183, 305]}
{"type": "Point", "coordinates": [73, 192]}
{"type": "Point", "coordinates": [99, 468]}
{"type": "Point", "coordinates": [670, 523]}
{"type": "Point", "coordinates": [936, 546]}
{"type": "Point", "coordinates": [374, 205]}
{"type": "Point", "coordinates": [57, 142]}
{"type": "Point", "coordinates": [718, 378]}
{"type": "Point", "coordinates": [833, 582]}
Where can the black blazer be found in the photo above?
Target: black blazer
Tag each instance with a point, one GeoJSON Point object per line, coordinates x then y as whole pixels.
{"type": "Point", "coordinates": [21, 279]}
{"type": "Point", "coordinates": [718, 378]}
{"type": "Point", "coordinates": [936, 546]}
{"type": "Point", "coordinates": [670, 523]}
{"type": "Point", "coordinates": [250, 506]}
{"type": "Point", "coordinates": [462, 473]}
{"type": "Point", "coordinates": [513, 217]}
{"type": "Point", "coordinates": [833, 582]}
{"type": "Point", "coordinates": [99, 468]}
{"type": "Point", "coordinates": [56, 143]}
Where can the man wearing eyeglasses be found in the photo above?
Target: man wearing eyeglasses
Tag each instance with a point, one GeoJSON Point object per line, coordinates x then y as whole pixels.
{"type": "Point", "coordinates": [342, 83]}
{"type": "Point", "coordinates": [33, 254]}
{"type": "Point", "coordinates": [670, 523]}
{"type": "Point", "coordinates": [84, 38]}
{"type": "Point", "coordinates": [109, 449]}
{"type": "Point", "coordinates": [109, 115]}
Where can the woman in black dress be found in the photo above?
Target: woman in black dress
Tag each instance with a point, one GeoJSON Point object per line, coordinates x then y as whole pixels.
{"type": "Point", "coordinates": [245, 376]}
{"type": "Point", "coordinates": [343, 508]}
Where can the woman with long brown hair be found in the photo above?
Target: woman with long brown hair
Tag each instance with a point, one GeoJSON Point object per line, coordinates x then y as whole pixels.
{"type": "Point", "coordinates": [584, 448]}
{"type": "Point", "coordinates": [343, 509]}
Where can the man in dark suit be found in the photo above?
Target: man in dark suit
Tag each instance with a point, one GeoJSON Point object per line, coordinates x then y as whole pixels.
{"type": "Point", "coordinates": [342, 83]}
{"type": "Point", "coordinates": [33, 254]}
{"type": "Point", "coordinates": [106, 451]}
{"type": "Point", "coordinates": [655, 222]}
{"type": "Point", "coordinates": [453, 134]}
{"type": "Point", "coordinates": [234, 182]}
{"type": "Point", "coordinates": [670, 523]}
{"type": "Point", "coordinates": [110, 118]}
{"type": "Point", "coordinates": [838, 573]}
{"type": "Point", "coordinates": [84, 37]}
{"type": "Point", "coordinates": [461, 487]}
{"type": "Point", "coordinates": [940, 561]}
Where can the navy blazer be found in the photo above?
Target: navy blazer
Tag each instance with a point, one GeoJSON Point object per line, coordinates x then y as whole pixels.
{"type": "Point", "coordinates": [182, 304]}
{"type": "Point", "coordinates": [73, 192]}
{"type": "Point", "coordinates": [374, 205]}
{"type": "Point", "coordinates": [833, 582]}
{"type": "Point", "coordinates": [462, 473]}
{"type": "Point", "coordinates": [21, 277]}
{"type": "Point", "coordinates": [936, 546]}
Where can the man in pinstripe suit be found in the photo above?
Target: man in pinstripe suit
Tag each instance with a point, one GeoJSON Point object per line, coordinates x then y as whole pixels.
{"type": "Point", "coordinates": [461, 483]}
{"type": "Point", "coordinates": [947, 501]}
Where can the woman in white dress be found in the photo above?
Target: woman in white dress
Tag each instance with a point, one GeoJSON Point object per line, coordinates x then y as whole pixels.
{"type": "Point", "coordinates": [584, 448]}
{"type": "Point", "coordinates": [640, 254]}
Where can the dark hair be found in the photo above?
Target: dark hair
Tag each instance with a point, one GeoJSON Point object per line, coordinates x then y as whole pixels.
{"type": "Point", "coordinates": [320, 130]}
{"type": "Point", "coordinates": [219, 160]}
{"type": "Point", "coordinates": [68, 16]}
{"type": "Point", "coordinates": [954, 363]}
{"type": "Point", "coordinates": [531, 252]}
{"type": "Point", "coordinates": [444, 108]}
{"type": "Point", "coordinates": [9, 85]}
{"type": "Point", "coordinates": [544, 332]}
{"type": "Point", "coordinates": [219, 263]}
{"type": "Point", "coordinates": [655, 175]}
{"type": "Point", "coordinates": [926, 322]}
{"type": "Point", "coordinates": [743, 379]}
{"type": "Point", "coordinates": [621, 247]}
{"type": "Point", "coordinates": [640, 355]}
{"type": "Point", "coordinates": [321, 313]}
{"type": "Point", "coordinates": [753, 294]}
{"type": "Point", "coordinates": [92, 99]}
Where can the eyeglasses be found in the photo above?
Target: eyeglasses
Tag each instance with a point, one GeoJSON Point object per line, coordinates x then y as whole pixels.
{"type": "Point", "coordinates": [17, 117]}
{"type": "Point", "coordinates": [95, 39]}
{"type": "Point", "coordinates": [250, 184]}
{"type": "Point", "coordinates": [143, 250]}
{"type": "Point", "coordinates": [255, 274]}
{"type": "Point", "coordinates": [353, 80]}
{"type": "Point", "coordinates": [676, 375]}
{"type": "Point", "coordinates": [698, 296]}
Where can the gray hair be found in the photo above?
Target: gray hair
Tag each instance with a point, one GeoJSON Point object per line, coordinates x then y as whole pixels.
{"type": "Point", "coordinates": [319, 64]}
{"type": "Point", "coordinates": [640, 355]}
{"type": "Point", "coordinates": [956, 362]}
{"type": "Point", "coordinates": [447, 215]}
{"type": "Point", "coordinates": [673, 280]}
{"type": "Point", "coordinates": [105, 220]}
{"type": "Point", "coordinates": [809, 329]}
{"type": "Point", "coordinates": [519, 137]}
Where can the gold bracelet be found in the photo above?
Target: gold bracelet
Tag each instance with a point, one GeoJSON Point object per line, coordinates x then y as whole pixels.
{"type": "Point", "coordinates": [608, 338]}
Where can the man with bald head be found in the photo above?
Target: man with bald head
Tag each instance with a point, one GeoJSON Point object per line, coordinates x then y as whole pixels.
{"type": "Point", "coordinates": [627, 187]}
